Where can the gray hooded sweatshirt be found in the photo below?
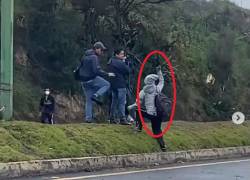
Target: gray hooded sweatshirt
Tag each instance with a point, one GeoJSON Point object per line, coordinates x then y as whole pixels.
{"type": "Point", "coordinates": [149, 91]}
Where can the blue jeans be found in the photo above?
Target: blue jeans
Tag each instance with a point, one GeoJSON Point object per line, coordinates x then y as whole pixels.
{"type": "Point", "coordinates": [98, 86]}
{"type": "Point", "coordinates": [118, 103]}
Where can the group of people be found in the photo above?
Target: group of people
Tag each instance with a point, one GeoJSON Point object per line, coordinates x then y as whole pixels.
{"type": "Point", "coordinates": [96, 83]}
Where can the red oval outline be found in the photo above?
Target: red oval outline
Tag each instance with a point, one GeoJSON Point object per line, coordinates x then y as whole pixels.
{"type": "Point", "coordinates": [149, 132]}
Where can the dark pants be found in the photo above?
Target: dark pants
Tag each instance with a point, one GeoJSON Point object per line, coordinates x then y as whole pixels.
{"type": "Point", "coordinates": [155, 123]}
{"type": "Point", "coordinates": [47, 118]}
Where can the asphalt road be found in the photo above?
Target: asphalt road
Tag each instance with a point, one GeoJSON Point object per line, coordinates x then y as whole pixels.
{"type": "Point", "coordinates": [222, 170]}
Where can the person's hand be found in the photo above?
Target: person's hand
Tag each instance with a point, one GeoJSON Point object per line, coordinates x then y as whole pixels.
{"type": "Point", "coordinates": [130, 107]}
{"type": "Point", "coordinates": [111, 74]}
{"type": "Point", "coordinates": [124, 59]}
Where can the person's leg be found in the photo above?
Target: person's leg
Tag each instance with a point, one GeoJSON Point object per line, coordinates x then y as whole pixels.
{"type": "Point", "coordinates": [156, 128]}
{"type": "Point", "coordinates": [156, 125]}
{"type": "Point", "coordinates": [162, 144]}
{"type": "Point", "coordinates": [109, 102]}
{"type": "Point", "coordinates": [88, 91]}
{"type": "Point", "coordinates": [43, 118]}
{"type": "Point", "coordinates": [102, 85]}
{"type": "Point", "coordinates": [113, 108]}
{"type": "Point", "coordinates": [138, 121]}
{"type": "Point", "coordinates": [50, 118]}
{"type": "Point", "coordinates": [121, 106]}
{"type": "Point", "coordinates": [128, 97]}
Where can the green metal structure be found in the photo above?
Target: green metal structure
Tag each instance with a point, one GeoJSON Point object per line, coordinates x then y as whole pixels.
{"type": "Point", "coordinates": [6, 66]}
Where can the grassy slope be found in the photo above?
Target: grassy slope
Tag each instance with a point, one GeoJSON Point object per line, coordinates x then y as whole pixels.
{"type": "Point", "coordinates": [26, 141]}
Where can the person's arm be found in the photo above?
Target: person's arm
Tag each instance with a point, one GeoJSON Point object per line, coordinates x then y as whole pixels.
{"type": "Point", "coordinates": [41, 104]}
{"type": "Point", "coordinates": [97, 68]}
{"type": "Point", "coordinates": [141, 96]}
{"type": "Point", "coordinates": [161, 80]}
{"type": "Point", "coordinates": [122, 67]}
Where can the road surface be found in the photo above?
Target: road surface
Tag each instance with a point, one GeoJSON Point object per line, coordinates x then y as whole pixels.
{"type": "Point", "coordinates": [221, 170]}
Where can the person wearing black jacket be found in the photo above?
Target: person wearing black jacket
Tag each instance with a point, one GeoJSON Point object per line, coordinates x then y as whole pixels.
{"type": "Point", "coordinates": [93, 83]}
{"type": "Point", "coordinates": [118, 66]}
{"type": "Point", "coordinates": [47, 107]}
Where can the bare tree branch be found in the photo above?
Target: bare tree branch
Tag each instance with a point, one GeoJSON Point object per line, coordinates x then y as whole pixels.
{"type": "Point", "coordinates": [134, 55]}
{"type": "Point", "coordinates": [127, 6]}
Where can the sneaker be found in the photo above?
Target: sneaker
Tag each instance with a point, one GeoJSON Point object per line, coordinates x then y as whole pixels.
{"type": "Point", "coordinates": [124, 122]}
{"type": "Point", "coordinates": [138, 129]}
{"type": "Point", "coordinates": [130, 119]}
{"type": "Point", "coordinates": [96, 99]}
{"type": "Point", "coordinates": [113, 122]}
{"type": "Point", "coordinates": [88, 121]}
{"type": "Point", "coordinates": [162, 144]}
{"type": "Point", "coordinates": [164, 149]}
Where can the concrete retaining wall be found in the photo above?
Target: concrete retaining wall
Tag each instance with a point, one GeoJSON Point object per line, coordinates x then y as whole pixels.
{"type": "Point", "coordinates": [43, 167]}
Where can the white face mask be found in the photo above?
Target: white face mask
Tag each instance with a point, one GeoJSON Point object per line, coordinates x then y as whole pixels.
{"type": "Point", "coordinates": [47, 92]}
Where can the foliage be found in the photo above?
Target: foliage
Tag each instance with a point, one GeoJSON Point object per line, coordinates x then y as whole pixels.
{"type": "Point", "coordinates": [200, 37]}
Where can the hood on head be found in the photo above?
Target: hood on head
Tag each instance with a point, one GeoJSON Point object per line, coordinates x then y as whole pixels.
{"type": "Point", "coordinates": [149, 81]}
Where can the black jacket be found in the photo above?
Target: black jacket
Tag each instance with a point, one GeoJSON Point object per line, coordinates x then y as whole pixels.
{"type": "Point", "coordinates": [47, 105]}
{"type": "Point", "coordinates": [121, 71]}
{"type": "Point", "coordinates": [90, 67]}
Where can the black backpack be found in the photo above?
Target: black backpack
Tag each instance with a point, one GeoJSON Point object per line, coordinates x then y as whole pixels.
{"type": "Point", "coordinates": [163, 106]}
{"type": "Point", "coordinates": [76, 73]}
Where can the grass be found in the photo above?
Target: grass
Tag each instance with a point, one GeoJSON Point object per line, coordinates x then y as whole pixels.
{"type": "Point", "coordinates": [29, 141]}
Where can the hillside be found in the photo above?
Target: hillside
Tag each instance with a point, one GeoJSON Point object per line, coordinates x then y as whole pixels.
{"type": "Point", "coordinates": [199, 37]}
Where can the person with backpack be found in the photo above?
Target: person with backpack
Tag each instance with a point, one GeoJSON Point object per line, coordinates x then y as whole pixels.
{"type": "Point", "coordinates": [154, 84]}
{"type": "Point", "coordinates": [47, 107]}
{"type": "Point", "coordinates": [92, 79]}
{"type": "Point", "coordinates": [118, 66]}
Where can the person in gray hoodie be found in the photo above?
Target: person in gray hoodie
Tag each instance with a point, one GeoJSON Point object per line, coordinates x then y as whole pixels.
{"type": "Point", "coordinates": [154, 84]}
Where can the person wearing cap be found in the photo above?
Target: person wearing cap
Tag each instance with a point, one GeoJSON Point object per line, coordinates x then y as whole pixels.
{"type": "Point", "coordinates": [92, 76]}
{"type": "Point", "coordinates": [47, 107]}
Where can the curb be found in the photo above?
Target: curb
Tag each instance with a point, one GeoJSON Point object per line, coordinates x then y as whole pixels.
{"type": "Point", "coordinates": [69, 165]}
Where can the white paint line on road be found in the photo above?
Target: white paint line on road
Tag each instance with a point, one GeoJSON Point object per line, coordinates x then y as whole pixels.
{"type": "Point", "coordinates": [152, 170]}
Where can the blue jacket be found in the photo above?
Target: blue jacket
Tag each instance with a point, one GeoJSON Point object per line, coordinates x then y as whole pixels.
{"type": "Point", "coordinates": [90, 66]}
{"type": "Point", "coordinates": [121, 71]}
